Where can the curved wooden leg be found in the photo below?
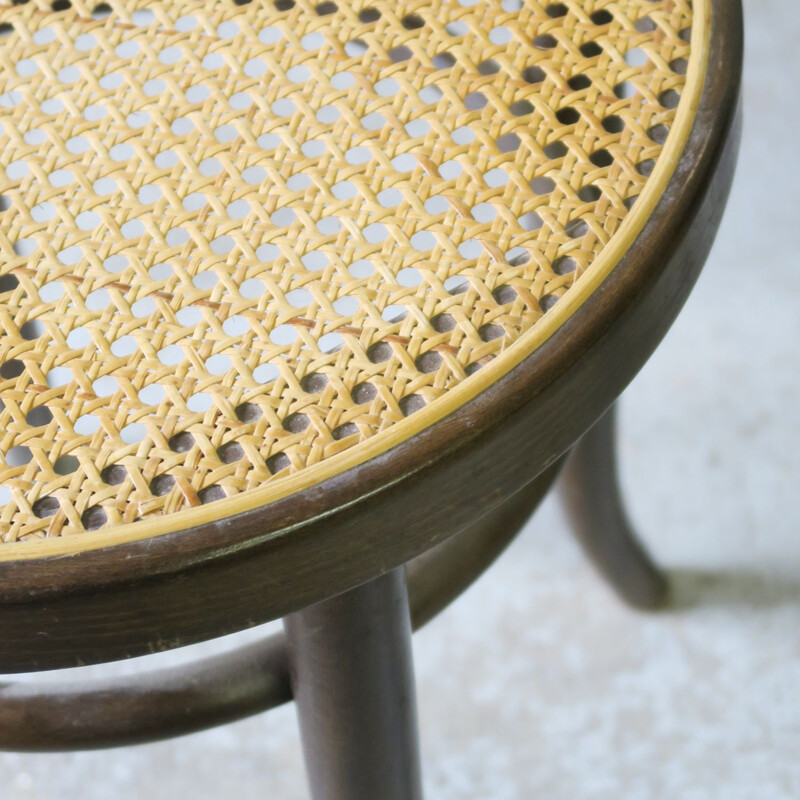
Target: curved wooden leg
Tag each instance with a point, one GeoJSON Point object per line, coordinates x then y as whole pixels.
{"type": "Point", "coordinates": [590, 489]}
{"type": "Point", "coordinates": [353, 679]}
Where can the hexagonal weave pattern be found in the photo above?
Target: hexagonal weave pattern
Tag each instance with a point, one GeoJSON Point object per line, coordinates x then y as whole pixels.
{"type": "Point", "coordinates": [237, 238]}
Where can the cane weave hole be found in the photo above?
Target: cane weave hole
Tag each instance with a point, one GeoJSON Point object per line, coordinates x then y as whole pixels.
{"type": "Point", "coordinates": [240, 237]}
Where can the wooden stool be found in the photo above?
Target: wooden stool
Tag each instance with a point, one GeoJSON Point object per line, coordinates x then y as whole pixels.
{"type": "Point", "coordinates": [302, 305]}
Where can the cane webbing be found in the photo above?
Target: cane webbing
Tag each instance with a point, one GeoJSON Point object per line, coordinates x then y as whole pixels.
{"type": "Point", "coordinates": [238, 240]}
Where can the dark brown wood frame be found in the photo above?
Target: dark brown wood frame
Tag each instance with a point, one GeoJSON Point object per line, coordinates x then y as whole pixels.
{"type": "Point", "coordinates": [217, 578]}
{"type": "Point", "coordinates": [353, 679]}
{"type": "Point", "coordinates": [221, 689]}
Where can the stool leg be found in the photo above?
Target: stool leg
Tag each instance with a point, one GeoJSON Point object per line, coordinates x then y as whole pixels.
{"type": "Point", "coordinates": [590, 490]}
{"type": "Point", "coordinates": [353, 680]}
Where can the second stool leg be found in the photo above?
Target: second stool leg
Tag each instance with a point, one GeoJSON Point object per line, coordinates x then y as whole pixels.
{"type": "Point", "coordinates": [590, 489]}
{"type": "Point", "coordinates": [353, 680]}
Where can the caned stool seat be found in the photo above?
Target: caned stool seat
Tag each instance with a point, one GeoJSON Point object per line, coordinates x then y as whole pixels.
{"type": "Point", "coordinates": [292, 292]}
{"type": "Point", "coordinates": [248, 247]}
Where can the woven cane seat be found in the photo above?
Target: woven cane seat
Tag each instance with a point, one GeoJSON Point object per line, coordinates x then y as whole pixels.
{"type": "Point", "coordinates": [247, 245]}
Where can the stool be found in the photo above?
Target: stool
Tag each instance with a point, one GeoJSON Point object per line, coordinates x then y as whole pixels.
{"type": "Point", "coordinates": [303, 306]}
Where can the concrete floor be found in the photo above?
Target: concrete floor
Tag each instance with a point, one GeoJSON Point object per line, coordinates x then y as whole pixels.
{"type": "Point", "coordinates": [538, 683]}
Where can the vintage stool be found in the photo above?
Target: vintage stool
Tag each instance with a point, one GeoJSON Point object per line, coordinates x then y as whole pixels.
{"type": "Point", "coordinates": [301, 305]}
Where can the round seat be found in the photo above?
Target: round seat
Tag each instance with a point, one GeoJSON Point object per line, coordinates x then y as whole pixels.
{"type": "Point", "coordinates": [292, 292]}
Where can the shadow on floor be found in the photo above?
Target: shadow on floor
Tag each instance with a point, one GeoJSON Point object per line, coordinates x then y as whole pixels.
{"type": "Point", "coordinates": [698, 588]}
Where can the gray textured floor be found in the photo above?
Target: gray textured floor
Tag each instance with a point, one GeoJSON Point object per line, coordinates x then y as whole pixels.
{"type": "Point", "coordinates": [537, 683]}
